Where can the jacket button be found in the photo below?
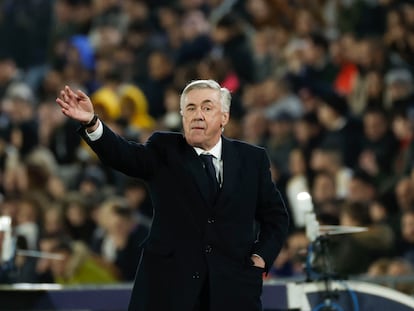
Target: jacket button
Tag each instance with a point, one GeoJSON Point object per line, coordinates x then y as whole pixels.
{"type": "Point", "coordinates": [196, 275]}
{"type": "Point", "coordinates": [211, 220]}
{"type": "Point", "coordinates": [208, 249]}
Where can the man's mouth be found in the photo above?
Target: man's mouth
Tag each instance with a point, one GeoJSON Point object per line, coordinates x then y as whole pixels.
{"type": "Point", "coordinates": [197, 128]}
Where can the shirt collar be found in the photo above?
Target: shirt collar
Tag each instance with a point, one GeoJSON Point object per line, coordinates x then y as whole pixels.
{"type": "Point", "coordinates": [215, 151]}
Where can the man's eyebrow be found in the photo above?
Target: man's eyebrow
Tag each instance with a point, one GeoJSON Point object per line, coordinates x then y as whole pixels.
{"type": "Point", "coordinates": [206, 101]}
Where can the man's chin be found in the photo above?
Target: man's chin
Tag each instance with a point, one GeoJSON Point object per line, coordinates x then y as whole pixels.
{"type": "Point", "coordinates": [195, 140]}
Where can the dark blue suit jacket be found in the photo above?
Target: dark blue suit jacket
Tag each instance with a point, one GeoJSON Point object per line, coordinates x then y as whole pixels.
{"type": "Point", "coordinates": [192, 241]}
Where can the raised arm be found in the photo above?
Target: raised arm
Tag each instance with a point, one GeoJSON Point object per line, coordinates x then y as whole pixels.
{"type": "Point", "coordinates": [76, 105]}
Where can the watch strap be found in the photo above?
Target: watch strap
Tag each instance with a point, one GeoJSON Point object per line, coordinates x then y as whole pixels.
{"type": "Point", "coordinates": [91, 122]}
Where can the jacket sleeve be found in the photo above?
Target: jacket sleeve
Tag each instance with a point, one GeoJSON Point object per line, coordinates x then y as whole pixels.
{"type": "Point", "coordinates": [272, 216]}
{"type": "Point", "coordinates": [128, 157]}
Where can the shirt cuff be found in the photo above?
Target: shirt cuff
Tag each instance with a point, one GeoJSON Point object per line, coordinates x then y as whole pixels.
{"type": "Point", "coordinates": [95, 135]}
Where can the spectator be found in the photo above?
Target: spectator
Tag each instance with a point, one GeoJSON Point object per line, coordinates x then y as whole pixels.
{"type": "Point", "coordinates": [324, 191]}
{"type": "Point", "coordinates": [160, 76]}
{"type": "Point", "coordinates": [343, 55]}
{"type": "Point", "coordinates": [19, 105]}
{"type": "Point", "coordinates": [136, 194]}
{"type": "Point", "coordinates": [105, 99]}
{"type": "Point", "coordinates": [281, 140]}
{"type": "Point", "coordinates": [53, 223]}
{"type": "Point", "coordinates": [404, 194]}
{"type": "Point", "coordinates": [230, 35]}
{"type": "Point", "coordinates": [407, 234]}
{"type": "Point", "coordinates": [380, 212]}
{"type": "Point", "coordinates": [56, 134]}
{"type": "Point", "coordinates": [368, 54]}
{"type": "Point", "coordinates": [400, 267]}
{"type": "Point", "coordinates": [319, 71]}
{"type": "Point", "coordinates": [172, 118]}
{"type": "Point", "coordinates": [283, 101]}
{"type": "Point", "coordinates": [368, 93]}
{"type": "Point", "coordinates": [399, 90]}
{"type": "Point", "coordinates": [290, 262]}
{"type": "Point", "coordinates": [403, 131]}
{"type": "Point", "coordinates": [75, 265]}
{"type": "Point", "coordinates": [361, 188]}
{"type": "Point", "coordinates": [27, 223]}
{"type": "Point", "coordinates": [308, 133]}
{"type": "Point", "coordinates": [9, 72]}
{"type": "Point", "coordinates": [254, 127]}
{"type": "Point", "coordinates": [25, 31]}
{"type": "Point", "coordinates": [263, 14]}
{"type": "Point", "coordinates": [92, 185]}
{"type": "Point", "coordinates": [134, 110]}
{"type": "Point", "coordinates": [297, 182]}
{"type": "Point", "coordinates": [330, 161]}
{"type": "Point", "coordinates": [139, 43]}
{"type": "Point", "coordinates": [78, 222]}
{"type": "Point", "coordinates": [196, 42]}
{"type": "Point", "coordinates": [396, 33]}
{"type": "Point", "coordinates": [341, 132]}
{"type": "Point", "coordinates": [306, 21]}
{"type": "Point", "coordinates": [119, 242]}
{"type": "Point", "coordinates": [371, 245]}
{"type": "Point", "coordinates": [379, 267]}
{"type": "Point", "coordinates": [379, 146]}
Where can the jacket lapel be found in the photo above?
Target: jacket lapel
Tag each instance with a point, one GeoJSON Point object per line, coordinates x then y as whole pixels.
{"type": "Point", "coordinates": [231, 171]}
{"type": "Point", "coordinates": [196, 170]}
{"type": "Point", "coordinates": [189, 172]}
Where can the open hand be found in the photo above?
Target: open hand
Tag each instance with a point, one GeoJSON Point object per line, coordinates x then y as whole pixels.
{"type": "Point", "coordinates": [76, 105]}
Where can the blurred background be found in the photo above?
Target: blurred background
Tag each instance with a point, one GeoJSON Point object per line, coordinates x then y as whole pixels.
{"type": "Point", "coordinates": [326, 86]}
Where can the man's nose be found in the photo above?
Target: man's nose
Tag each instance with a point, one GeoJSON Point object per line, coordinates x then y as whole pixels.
{"type": "Point", "coordinates": [198, 114]}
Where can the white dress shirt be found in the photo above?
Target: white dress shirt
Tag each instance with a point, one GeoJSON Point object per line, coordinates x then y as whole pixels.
{"type": "Point", "coordinates": [217, 161]}
{"type": "Point", "coordinates": [95, 135]}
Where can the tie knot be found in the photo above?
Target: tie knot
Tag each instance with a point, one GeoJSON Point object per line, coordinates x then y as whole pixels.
{"type": "Point", "coordinates": [206, 156]}
{"type": "Point", "coordinates": [207, 160]}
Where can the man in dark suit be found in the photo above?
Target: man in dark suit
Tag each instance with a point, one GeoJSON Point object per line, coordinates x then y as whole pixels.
{"type": "Point", "coordinates": [212, 237]}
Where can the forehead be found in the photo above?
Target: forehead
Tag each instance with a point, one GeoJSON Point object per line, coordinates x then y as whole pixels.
{"type": "Point", "coordinates": [373, 116]}
{"type": "Point", "coordinates": [199, 96]}
{"type": "Point", "coordinates": [408, 217]}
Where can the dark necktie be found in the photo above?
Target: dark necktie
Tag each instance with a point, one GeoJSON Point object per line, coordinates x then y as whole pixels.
{"type": "Point", "coordinates": [207, 160]}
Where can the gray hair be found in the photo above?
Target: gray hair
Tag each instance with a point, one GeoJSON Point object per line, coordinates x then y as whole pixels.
{"type": "Point", "coordinates": [225, 96]}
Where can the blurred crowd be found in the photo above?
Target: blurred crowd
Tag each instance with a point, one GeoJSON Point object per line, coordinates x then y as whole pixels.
{"type": "Point", "coordinates": [326, 86]}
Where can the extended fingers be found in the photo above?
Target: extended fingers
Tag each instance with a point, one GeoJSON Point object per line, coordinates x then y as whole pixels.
{"type": "Point", "coordinates": [64, 100]}
{"type": "Point", "coordinates": [70, 93]}
{"type": "Point", "coordinates": [81, 94]}
{"type": "Point", "coordinates": [63, 104]}
{"type": "Point", "coordinates": [63, 96]}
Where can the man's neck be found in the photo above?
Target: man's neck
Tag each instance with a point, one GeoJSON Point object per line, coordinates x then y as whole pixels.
{"type": "Point", "coordinates": [215, 150]}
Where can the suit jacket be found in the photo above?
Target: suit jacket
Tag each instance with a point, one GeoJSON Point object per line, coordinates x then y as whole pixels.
{"type": "Point", "coordinates": [192, 241]}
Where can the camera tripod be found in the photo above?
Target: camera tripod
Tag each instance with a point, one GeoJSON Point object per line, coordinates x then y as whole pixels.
{"type": "Point", "coordinates": [319, 268]}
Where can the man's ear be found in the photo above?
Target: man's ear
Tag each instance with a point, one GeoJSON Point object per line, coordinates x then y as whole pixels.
{"type": "Point", "coordinates": [225, 118]}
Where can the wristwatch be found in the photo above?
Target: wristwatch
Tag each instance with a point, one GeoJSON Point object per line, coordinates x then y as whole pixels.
{"type": "Point", "coordinates": [91, 122]}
